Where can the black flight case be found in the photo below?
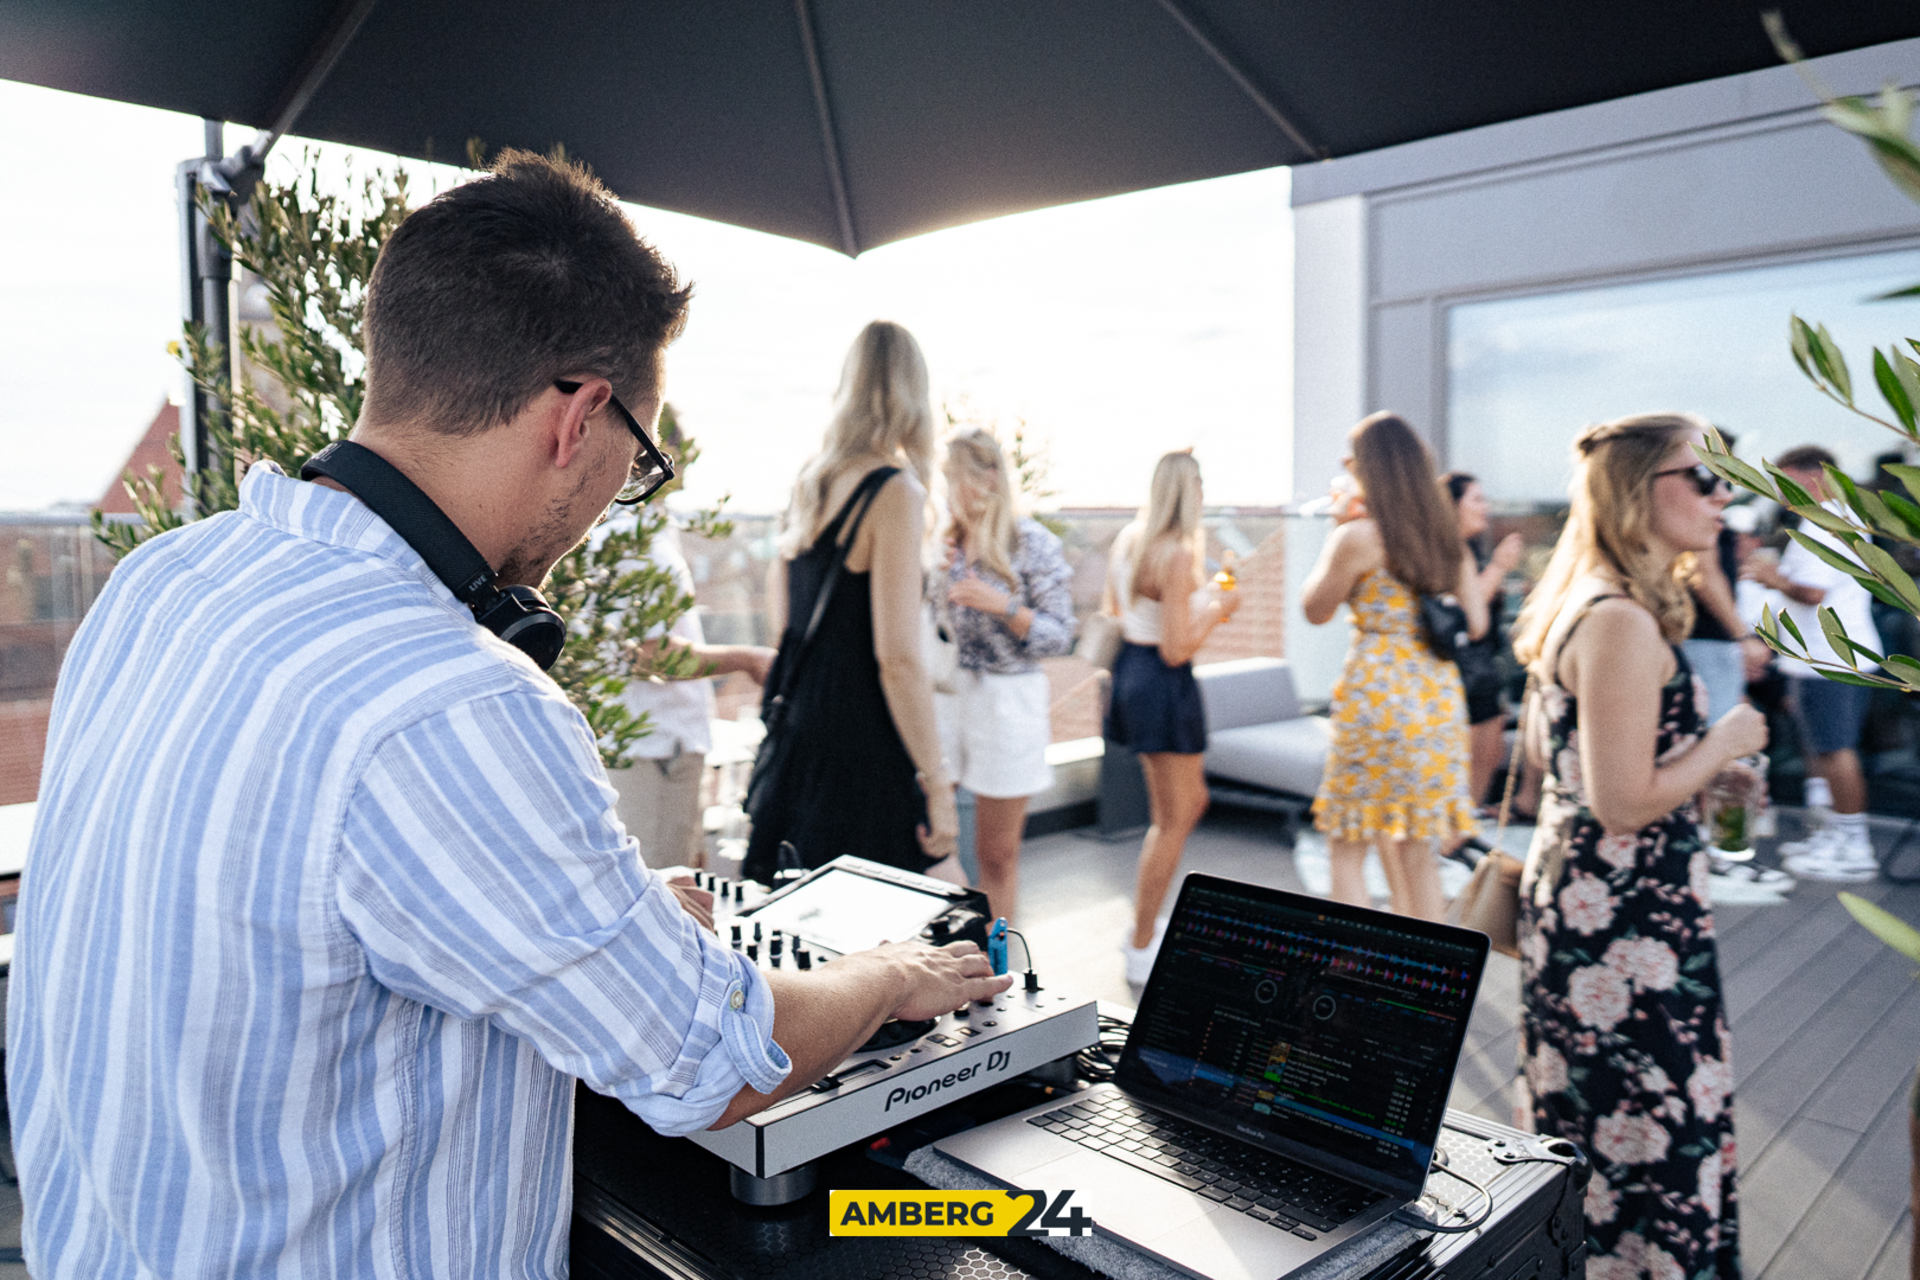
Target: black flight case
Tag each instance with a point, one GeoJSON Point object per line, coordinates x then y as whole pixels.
{"type": "Point", "coordinates": [648, 1206]}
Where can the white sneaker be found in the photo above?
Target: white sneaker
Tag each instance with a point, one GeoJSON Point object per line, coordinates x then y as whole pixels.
{"type": "Point", "coordinates": [1841, 858]}
{"type": "Point", "coordinates": [1814, 842]}
{"type": "Point", "coordinates": [1140, 959]}
{"type": "Point", "coordinates": [1745, 873]}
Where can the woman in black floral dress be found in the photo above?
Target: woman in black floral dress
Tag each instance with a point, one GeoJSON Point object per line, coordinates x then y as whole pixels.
{"type": "Point", "coordinates": [1625, 1047]}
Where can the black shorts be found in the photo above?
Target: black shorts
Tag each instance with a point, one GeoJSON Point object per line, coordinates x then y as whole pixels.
{"type": "Point", "coordinates": [1155, 708]}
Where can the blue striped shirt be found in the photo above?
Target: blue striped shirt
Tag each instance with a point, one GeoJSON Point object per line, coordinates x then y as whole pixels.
{"type": "Point", "coordinates": [325, 908]}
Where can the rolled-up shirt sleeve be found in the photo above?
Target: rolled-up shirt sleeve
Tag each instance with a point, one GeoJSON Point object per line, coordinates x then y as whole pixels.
{"type": "Point", "coordinates": [483, 874]}
{"type": "Point", "coordinates": [1049, 585]}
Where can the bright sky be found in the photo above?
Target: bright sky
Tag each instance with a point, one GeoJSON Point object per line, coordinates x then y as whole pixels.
{"type": "Point", "coordinates": [1117, 328]}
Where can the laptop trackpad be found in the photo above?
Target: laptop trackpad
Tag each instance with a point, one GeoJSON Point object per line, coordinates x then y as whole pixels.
{"type": "Point", "coordinates": [1114, 1194]}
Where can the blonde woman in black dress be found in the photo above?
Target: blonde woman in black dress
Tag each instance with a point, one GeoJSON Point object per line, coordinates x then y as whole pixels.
{"type": "Point", "coordinates": [864, 774]}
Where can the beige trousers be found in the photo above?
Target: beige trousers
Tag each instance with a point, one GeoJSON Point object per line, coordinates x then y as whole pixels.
{"type": "Point", "coordinates": [660, 807]}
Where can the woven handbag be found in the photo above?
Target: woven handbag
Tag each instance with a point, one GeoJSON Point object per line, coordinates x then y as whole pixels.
{"type": "Point", "coordinates": [1490, 903]}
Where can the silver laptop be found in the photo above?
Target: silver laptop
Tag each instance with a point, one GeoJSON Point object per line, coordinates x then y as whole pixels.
{"type": "Point", "coordinates": [1281, 1090]}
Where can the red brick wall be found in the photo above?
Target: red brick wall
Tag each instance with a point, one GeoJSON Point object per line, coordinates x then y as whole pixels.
{"type": "Point", "coordinates": [23, 738]}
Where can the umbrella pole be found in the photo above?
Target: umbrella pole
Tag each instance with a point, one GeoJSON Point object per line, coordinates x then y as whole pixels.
{"type": "Point", "coordinates": [206, 272]}
{"type": "Point", "coordinates": [206, 268]}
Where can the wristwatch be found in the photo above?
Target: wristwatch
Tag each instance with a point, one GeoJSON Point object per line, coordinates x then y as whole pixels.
{"type": "Point", "coordinates": [1013, 608]}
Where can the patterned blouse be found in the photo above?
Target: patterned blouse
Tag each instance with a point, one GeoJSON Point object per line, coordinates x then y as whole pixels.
{"type": "Point", "coordinates": [985, 641]}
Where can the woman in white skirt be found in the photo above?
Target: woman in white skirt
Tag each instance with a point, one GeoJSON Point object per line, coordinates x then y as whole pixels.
{"type": "Point", "coordinates": [1004, 599]}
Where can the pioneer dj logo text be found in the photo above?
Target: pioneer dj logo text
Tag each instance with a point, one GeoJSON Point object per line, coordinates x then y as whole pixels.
{"type": "Point", "coordinates": [998, 1060]}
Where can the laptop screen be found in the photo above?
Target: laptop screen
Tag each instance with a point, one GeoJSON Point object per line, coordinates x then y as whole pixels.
{"type": "Point", "coordinates": [1308, 1027]}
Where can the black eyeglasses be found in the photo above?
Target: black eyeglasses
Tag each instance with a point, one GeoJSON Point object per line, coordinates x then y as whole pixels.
{"type": "Point", "coordinates": [1703, 477]}
{"type": "Point", "coordinates": [651, 469]}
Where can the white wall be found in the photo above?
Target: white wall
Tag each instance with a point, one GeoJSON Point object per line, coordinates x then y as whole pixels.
{"type": "Point", "coordinates": [1738, 171]}
{"type": "Point", "coordinates": [1329, 336]}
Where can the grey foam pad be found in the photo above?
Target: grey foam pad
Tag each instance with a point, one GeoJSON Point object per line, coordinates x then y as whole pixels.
{"type": "Point", "coordinates": [1356, 1257]}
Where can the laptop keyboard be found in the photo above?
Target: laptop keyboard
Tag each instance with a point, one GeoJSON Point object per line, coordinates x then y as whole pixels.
{"type": "Point", "coordinates": [1268, 1188]}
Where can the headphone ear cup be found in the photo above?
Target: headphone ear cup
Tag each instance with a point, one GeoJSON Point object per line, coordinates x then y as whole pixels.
{"type": "Point", "coordinates": [521, 617]}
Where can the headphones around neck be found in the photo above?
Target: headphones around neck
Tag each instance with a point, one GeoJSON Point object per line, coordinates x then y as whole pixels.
{"type": "Point", "coordinates": [516, 614]}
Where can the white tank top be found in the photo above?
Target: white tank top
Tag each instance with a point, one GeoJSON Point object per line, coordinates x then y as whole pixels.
{"type": "Point", "coordinates": [1139, 616]}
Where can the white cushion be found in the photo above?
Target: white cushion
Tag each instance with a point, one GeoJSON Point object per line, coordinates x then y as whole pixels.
{"type": "Point", "coordinates": [1248, 691]}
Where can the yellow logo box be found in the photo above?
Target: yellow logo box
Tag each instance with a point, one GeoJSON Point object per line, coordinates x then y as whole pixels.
{"type": "Point", "coordinates": [952, 1213]}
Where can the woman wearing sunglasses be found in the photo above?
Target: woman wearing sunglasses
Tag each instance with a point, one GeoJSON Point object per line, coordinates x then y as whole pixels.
{"type": "Point", "coordinates": [1624, 1029]}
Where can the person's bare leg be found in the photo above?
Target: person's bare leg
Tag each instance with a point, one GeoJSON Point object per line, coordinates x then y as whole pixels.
{"type": "Point", "coordinates": [1486, 743]}
{"type": "Point", "coordinates": [998, 824]}
{"type": "Point", "coordinates": [1842, 771]}
{"type": "Point", "coordinates": [1414, 874]}
{"type": "Point", "coordinates": [1176, 800]}
{"type": "Point", "coordinates": [1347, 860]}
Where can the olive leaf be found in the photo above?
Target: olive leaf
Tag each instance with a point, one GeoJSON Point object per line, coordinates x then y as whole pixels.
{"type": "Point", "coordinates": [1884, 925]}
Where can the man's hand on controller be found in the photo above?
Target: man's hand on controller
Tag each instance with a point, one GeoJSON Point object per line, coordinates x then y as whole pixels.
{"type": "Point", "coordinates": [937, 980]}
{"type": "Point", "coordinates": [698, 902]}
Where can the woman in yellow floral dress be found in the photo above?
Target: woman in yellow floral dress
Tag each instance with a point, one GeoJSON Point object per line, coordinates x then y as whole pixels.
{"type": "Point", "coordinates": [1396, 776]}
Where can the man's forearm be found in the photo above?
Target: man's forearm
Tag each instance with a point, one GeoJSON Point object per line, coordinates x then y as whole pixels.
{"type": "Point", "coordinates": [820, 1017]}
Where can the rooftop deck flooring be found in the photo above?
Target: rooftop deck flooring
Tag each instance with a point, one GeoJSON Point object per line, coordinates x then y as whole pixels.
{"type": "Point", "coordinates": [1826, 1032]}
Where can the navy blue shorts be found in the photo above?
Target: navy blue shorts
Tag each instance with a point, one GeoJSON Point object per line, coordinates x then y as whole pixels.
{"type": "Point", "coordinates": [1155, 707]}
{"type": "Point", "coordinates": [1831, 714]}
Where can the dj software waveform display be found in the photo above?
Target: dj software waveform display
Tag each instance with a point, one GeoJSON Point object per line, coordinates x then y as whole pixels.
{"type": "Point", "coordinates": [1309, 1027]}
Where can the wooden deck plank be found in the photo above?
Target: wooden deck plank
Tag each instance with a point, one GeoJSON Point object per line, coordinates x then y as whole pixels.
{"type": "Point", "coordinates": [1804, 935]}
{"type": "Point", "coordinates": [1784, 1184]}
{"type": "Point", "coordinates": [1894, 1260]}
{"type": "Point", "coordinates": [1762, 1026]}
{"type": "Point", "coordinates": [1843, 1233]}
{"type": "Point", "coordinates": [1881, 1064]}
{"type": "Point", "coordinates": [1778, 1090]}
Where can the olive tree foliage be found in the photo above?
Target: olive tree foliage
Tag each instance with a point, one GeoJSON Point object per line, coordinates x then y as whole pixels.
{"type": "Point", "coordinates": [302, 383]}
{"type": "Point", "coordinates": [1871, 519]}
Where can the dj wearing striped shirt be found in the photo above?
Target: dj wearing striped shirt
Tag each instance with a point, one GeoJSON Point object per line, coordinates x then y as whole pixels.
{"type": "Point", "coordinates": [327, 904]}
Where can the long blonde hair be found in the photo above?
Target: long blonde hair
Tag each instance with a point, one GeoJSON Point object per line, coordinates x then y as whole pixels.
{"type": "Point", "coordinates": [882, 408]}
{"type": "Point", "coordinates": [1609, 530]}
{"type": "Point", "coordinates": [974, 459]}
{"type": "Point", "coordinates": [1420, 529]}
{"type": "Point", "coordinates": [1172, 514]}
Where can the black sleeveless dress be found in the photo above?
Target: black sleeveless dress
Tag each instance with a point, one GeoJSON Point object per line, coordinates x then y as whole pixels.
{"type": "Point", "coordinates": [847, 784]}
{"type": "Point", "coordinates": [1624, 1033]}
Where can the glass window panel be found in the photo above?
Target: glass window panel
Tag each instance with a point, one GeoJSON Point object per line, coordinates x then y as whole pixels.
{"type": "Point", "coordinates": [1525, 374]}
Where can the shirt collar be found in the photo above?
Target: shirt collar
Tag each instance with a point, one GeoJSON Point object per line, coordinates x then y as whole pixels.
{"type": "Point", "coordinates": [320, 514]}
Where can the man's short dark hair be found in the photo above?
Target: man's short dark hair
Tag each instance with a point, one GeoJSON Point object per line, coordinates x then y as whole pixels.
{"type": "Point", "coordinates": [1808, 457]}
{"type": "Point", "coordinates": [490, 291]}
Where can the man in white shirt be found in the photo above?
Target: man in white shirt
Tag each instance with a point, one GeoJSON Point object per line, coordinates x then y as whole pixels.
{"type": "Point", "coordinates": [660, 791]}
{"type": "Point", "coordinates": [1831, 715]}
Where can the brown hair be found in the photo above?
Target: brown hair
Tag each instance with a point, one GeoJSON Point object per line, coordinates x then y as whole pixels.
{"type": "Point", "coordinates": [491, 290]}
{"type": "Point", "coordinates": [1420, 530]}
{"type": "Point", "coordinates": [1609, 530]}
{"type": "Point", "coordinates": [1807, 457]}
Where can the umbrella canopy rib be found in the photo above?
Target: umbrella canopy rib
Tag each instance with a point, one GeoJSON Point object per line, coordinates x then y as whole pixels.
{"type": "Point", "coordinates": [346, 23]}
{"type": "Point", "coordinates": [1238, 74]}
{"type": "Point", "coordinates": [829, 142]}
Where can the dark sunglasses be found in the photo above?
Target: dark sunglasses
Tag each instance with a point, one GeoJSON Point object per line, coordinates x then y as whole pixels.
{"type": "Point", "coordinates": [1704, 479]}
{"type": "Point", "coordinates": [650, 470]}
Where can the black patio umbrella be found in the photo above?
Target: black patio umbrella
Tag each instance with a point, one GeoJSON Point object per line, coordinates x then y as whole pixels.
{"type": "Point", "coordinates": [852, 123]}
